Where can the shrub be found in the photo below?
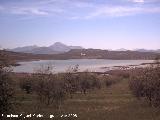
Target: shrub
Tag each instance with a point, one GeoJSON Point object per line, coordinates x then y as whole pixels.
{"type": "Point", "coordinates": [145, 83]}
{"type": "Point", "coordinates": [49, 88]}
{"type": "Point", "coordinates": [111, 79]}
{"type": "Point", "coordinates": [88, 81]}
{"type": "Point", "coordinates": [6, 87]}
{"type": "Point", "coordinates": [26, 84]}
{"type": "Point", "coordinates": [95, 82]}
{"type": "Point", "coordinates": [71, 80]}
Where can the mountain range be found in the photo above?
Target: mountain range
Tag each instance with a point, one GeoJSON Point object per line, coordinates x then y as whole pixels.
{"type": "Point", "coordinates": [145, 50]}
{"type": "Point", "coordinates": [83, 54]}
{"type": "Point", "coordinates": [56, 48]}
{"type": "Point", "coordinates": [139, 50]}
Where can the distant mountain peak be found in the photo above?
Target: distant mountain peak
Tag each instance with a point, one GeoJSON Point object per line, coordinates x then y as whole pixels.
{"type": "Point", "coordinates": [58, 43]}
{"type": "Point", "coordinates": [121, 49]}
{"type": "Point", "coordinates": [24, 48]}
{"type": "Point", "coordinates": [62, 47]}
{"type": "Point", "coordinates": [147, 50]}
{"type": "Point", "coordinates": [57, 47]}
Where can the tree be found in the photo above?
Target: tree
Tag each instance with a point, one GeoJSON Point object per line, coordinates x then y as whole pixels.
{"type": "Point", "coordinates": [48, 87]}
{"type": "Point", "coordinates": [4, 60]}
{"type": "Point", "coordinates": [85, 82]}
{"type": "Point", "coordinates": [145, 83]}
{"type": "Point", "coordinates": [6, 87]}
{"type": "Point", "coordinates": [71, 80]}
{"type": "Point", "coordinates": [26, 84]}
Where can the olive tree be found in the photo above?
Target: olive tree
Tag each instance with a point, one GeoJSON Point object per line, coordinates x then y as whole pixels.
{"type": "Point", "coordinates": [6, 86]}
{"type": "Point", "coordinates": [48, 87]}
{"type": "Point", "coordinates": [145, 83]}
{"type": "Point", "coordinates": [71, 80]}
{"type": "Point", "coordinates": [88, 81]}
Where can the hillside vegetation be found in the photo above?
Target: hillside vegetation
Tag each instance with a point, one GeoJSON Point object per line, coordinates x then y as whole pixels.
{"type": "Point", "coordinates": [115, 95]}
{"type": "Point", "coordinates": [85, 54]}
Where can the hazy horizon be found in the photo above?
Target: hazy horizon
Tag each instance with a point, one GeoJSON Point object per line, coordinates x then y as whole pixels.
{"type": "Point", "coordinates": [99, 24]}
{"type": "Point", "coordinates": [80, 46]}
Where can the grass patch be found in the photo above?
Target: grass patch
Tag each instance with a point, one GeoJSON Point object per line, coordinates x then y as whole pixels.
{"type": "Point", "coordinates": [113, 103]}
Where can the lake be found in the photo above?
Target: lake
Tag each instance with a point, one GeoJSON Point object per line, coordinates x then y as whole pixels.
{"type": "Point", "coordinates": [93, 65]}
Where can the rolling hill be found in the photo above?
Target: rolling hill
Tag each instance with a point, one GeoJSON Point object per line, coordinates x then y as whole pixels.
{"type": "Point", "coordinates": [84, 54]}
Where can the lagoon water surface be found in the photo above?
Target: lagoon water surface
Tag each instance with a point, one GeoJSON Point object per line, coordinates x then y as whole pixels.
{"type": "Point", "coordinates": [93, 65]}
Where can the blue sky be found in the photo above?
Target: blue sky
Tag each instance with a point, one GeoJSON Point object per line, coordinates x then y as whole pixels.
{"type": "Point", "coordinates": [105, 24]}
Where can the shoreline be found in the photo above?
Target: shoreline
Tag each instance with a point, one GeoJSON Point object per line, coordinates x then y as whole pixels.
{"type": "Point", "coordinates": [102, 70]}
{"type": "Point", "coordinates": [39, 59]}
{"type": "Point", "coordinates": [129, 67]}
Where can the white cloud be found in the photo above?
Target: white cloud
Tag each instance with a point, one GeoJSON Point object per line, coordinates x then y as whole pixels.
{"type": "Point", "coordinates": [74, 17]}
{"type": "Point", "coordinates": [81, 4]}
{"type": "Point", "coordinates": [117, 11]}
{"type": "Point", "coordinates": [145, 1]}
{"type": "Point", "coordinates": [138, 1]}
{"type": "Point", "coordinates": [113, 11]}
{"type": "Point", "coordinates": [39, 8]}
{"type": "Point", "coordinates": [28, 10]}
{"type": "Point", "coordinates": [79, 9]}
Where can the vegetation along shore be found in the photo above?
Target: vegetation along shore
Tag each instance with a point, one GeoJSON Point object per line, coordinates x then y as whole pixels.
{"type": "Point", "coordinates": [116, 94]}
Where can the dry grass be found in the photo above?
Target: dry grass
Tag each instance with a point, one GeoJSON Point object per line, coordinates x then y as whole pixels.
{"type": "Point", "coordinates": [113, 103]}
